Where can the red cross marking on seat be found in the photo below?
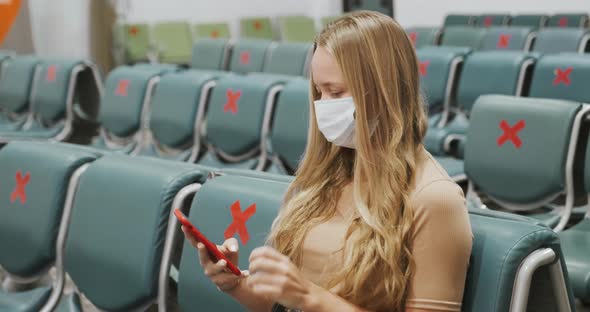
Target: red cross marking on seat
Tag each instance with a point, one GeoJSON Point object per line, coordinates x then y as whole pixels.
{"type": "Point", "coordinates": [503, 41]}
{"type": "Point", "coordinates": [562, 76]}
{"type": "Point", "coordinates": [413, 37]}
{"type": "Point", "coordinates": [424, 68]}
{"type": "Point", "coordinates": [232, 101]}
{"type": "Point", "coordinates": [133, 31]}
{"type": "Point", "coordinates": [51, 71]}
{"type": "Point", "coordinates": [487, 21]}
{"type": "Point", "coordinates": [239, 222]}
{"type": "Point", "coordinates": [257, 25]}
{"type": "Point", "coordinates": [214, 34]}
{"type": "Point", "coordinates": [122, 87]}
{"type": "Point", "coordinates": [511, 133]}
{"type": "Point", "coordinates": [245, 58]}
{"type": "Point", "coordinates": [562, 22]}
{"type": "Point", "coordinates": [19, 190]}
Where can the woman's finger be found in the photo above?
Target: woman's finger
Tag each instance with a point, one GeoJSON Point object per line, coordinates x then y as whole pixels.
{"type": "Point", "coordinates": [267, 252]}
{"type": "Point", "coordinates": [203, 255]}
{"type": "Point", "coordinates": [216, 268]}
{"type": "Point", "coordinates": [268, 266]}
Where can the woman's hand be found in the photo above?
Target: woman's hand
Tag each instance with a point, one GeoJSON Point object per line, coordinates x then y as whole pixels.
{"type": "Point", "coordinates": [218, 272]}
{"type": "Point", "coordinates": [275, 277]}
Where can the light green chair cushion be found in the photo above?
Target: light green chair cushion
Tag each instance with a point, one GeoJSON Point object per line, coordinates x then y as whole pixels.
{"type": "Point", "coordinates": [138, 40]}
{"type": "Point", "coordinates": [174, 42]}
{"type": "Point", "coordinates": [297, 29]}
{"type": "Point", "coordinates": [212, 30]}
{"type": "Point", "coordinates": [256, 27]}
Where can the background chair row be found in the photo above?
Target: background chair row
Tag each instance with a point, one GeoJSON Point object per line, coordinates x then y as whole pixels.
{"type": "Point", "coordinates": [576, 20]}
{"type": "Point", "coordinates": [67, 196]}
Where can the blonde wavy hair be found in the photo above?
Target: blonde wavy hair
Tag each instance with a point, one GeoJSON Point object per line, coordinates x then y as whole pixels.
{"type": "Point", "coordinates": [380, 68]}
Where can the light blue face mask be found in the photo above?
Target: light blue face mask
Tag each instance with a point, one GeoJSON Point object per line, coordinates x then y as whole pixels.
{"type": "Point", "coordinates": [336, 120]}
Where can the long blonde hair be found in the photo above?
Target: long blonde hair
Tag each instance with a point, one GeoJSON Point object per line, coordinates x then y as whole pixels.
{"type": "Point", "coordinates": [380, 68]}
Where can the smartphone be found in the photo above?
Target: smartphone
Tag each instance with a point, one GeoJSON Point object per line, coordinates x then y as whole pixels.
{"type": "Point", "coordinates": [214, 253]}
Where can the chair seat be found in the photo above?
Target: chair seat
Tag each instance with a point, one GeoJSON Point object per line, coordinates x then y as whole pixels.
{"type": "Point", "coordinates": [26, 301]}
{"type": "Point", "coordinates": [101, 145]}
{"type": "Point", "coordinates": [551, 218]}
{"type": "Point", "coordinates": [453, 166]}
{"type": "Point", "coordinates": [69, 303]}
{"type": "Point", "coordinates": [10, 125]}
{"type": "Point", "coordinates": [211, 160]}
{"type": "Point", "coordinates": [151, 151]}
{"type": "Point", "coordinates": [575, 243]}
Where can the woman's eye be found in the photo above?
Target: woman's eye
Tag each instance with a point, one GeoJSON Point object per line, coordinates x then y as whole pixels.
{"type": "Point", "coordinates": [335, 94]}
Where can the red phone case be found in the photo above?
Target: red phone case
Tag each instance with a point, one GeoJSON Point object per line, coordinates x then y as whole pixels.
{"type": "Point", "coordinates": [214, 253]}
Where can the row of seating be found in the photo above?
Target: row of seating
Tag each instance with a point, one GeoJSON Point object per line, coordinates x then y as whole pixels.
{"type": "Point", "coordinates": [73, 209]}
{"type": "Point", "coordinates": [576, 20]}
{"type": "Point", "coordinates": [547, 40]}
{"type": "Point", "coordinates": [171, 42]}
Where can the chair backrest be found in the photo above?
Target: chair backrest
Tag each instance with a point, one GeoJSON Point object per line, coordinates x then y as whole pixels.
{"type": "Point", "coordinates": [297, 28]}
{"type": "Point", "coordinates": [118, 227]}
{"type": "Point", "coordinates": [459, 20]}
{"type": "Point", "coordinates": [237, 112]}
{"type": "Point", "coordinates": [558, 40]}
{"type": "Point", "coordinates": [489, 20]}
{"type": "Point", "coordinates": [249, 55]}
{"type": "Point", "coordinates": [506, 133]}
{"type": "Point", "coordinates": [289, 58]}
{"type": "Point", "coordinates": [424, 36]}
{"type": "Point", "coordinates": [138, 40]}
{"type": "Point", "coordinates": [212, 31]}
{"type": "Point", "coordinates": [16, 83]}
{"type": "Point", "coordinates": [211, 212]}
{"type": "Point", "coordinates": [291, 122]}
{"type": "Point", "coordinates": [562, 76]}
{"type": "Point", "coordinates": [534, 21]}
{"type": "Point", "coordinates": [575, 20]}
{"type": "Point", "coordinates": [508, 38]}
{"type": "Point", "coordinates": [174, 42]}
{"type": "Point", "coordinates": [256, 27]}
{"type": "Point", "coordinates": [35, 178]}
{"type": "Point", "coordinates": [439, 74]}
{"type": "Point", "coordinates": [494, 72]}
{"type": "Point", "coordinates": [210, 54]}
{"type": "Point", "coordinates": [463, 36]}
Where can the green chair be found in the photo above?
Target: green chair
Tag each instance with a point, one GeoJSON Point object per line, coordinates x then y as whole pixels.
{"type": "Point", "coordinates": [288, 137]}
{"type": "Point", "coordinates": [210, 54]}
{"type": "Point", "coordinates": [575, 20]}
{"type": "Point", "coordinates": [508, 38]}
{"type": "Point", "coordinates": [64, 103]}
{"type": "Point", "coordinates": [289, 58]}
{"type": "Point", "coordinates": [39, 180]}
{"type": "Point", "coordinates": [256, 28]}
{"type": "Point", "coordinates": [119, 49]}
{"type": "Point", "coordinates": [459, 20]}
{"type": "Point", "coordinates": [250, 55]}
{"type": "Point", "coordinates": [424, 36]}
{"type": "Point", "coordinates": [558, 40]}
{"type": "Point", "coordinates": [174, 42]}
{"type": "Point", "coordinates": [529, 20]}
{"type": "Point", "coordinates": [463, 36]}
{"type": "Point", "coordinates": [562, 76]}
{"type": "Point", "coordinates": [118, 227]}
{"type": "Point", "coordinates": [505, 134]}
{"type": "Point", "coordinates": [138, 42]}
{"type": "Point", "coordinates": [177, 114]}
{"type": "Point", "coordinates": [16, 83]}
{"type": "Point", "coordinates": [489, 20]}
{"type": "Point", "coordinates": [238, 121]}
{"type": "Point", "coordinates": [297, 28]}
{"type": "Point", "coordinates": [210, 212]}
{"type": "Point", "coordinates": [212, 31]}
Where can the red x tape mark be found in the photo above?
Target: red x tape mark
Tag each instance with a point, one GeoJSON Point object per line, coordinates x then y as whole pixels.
{"type": "Point", "coordinates": [487, 22]}
{"type": "Point", "coordinates": [562, 76]}
{"type": "Point", "coordinates": [511, 133]}
{"type": "Point", "coordinates": [424, 68]}
{"type": "Point", "coordinates": [133, 31]}
{"type": "Point", "coordinates": [503, 41]}
{"type": "Point", "coordinates": [257, 25]}
{"type": "Point", "coordinates": [245, 58]}
{"type": "Point", "coordinates": [122, 87]}
{"type": "Point", "coordinates": [563, 22]}
{"type": "Point", "coordinates": [51, 71]}
{"type": "Point", "coordinates": [239, 222]}
{"type": "Point", "coordinates": [232, 101]}
{"type": "Point", "coordinates": [214, 34]}
{"type": "Point", "coordinates": [19, 191]}
{"type": "Point", "coordinates": [413, 37]}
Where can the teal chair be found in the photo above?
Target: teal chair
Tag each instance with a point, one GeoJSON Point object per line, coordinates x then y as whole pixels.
{"type": "Point", "coordinates": [490, 20]}
{"type": "Point", "coordinates": [16, 83]}
{"type": "Point", "coordinates": [177, 113]}
{"type": "Point", "coordinates": [562, 76]}
{"type": "Point", "coordinates": [534, 21]}
{"type": "Point", "coordinates": [238, 121]}
{"type": "Point", "coordinates": [575, 20]}
{"type": "Point", "coordinates": [424, 36]}
{"type": "Point", "coordinates": [118, 228]}
{"type": "Point", "coordinates": [463, 36]}
{"type": "Point", "coordinates": [250, 55]}
{"type": "Point", "coordinates": [559, 40]}
{"type": "Point", "coordinates": [288, 137]}
{"type": "Point", "coordinates": [210, 54]}
{"type": "Point", "coordinates": [64, 103]}
{"type": "Point", "coordinates": [289, 58]}
{"type": "Point", "coordinates": [459, 20]}
{"type": "Point", "coordinates": [505, 135]}
{"type": "Point", "coordinates": [39, 180]}
{"type": "Point", "coordinates": [508, 39]}
{"type": "Point", "coordinates": [125, 108]}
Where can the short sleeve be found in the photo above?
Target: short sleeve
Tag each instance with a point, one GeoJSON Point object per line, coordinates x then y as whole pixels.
{"type": "Point", "coordinates": [441, 247]}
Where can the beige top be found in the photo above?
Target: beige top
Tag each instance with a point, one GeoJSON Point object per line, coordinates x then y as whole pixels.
{"type": "Point", "coordinates": [441, 249]}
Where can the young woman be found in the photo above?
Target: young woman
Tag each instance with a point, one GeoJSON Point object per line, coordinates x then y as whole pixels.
{"type": "Point", "coordinates": [371, 222]}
